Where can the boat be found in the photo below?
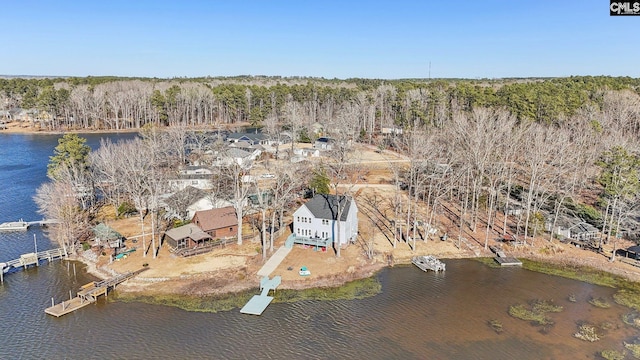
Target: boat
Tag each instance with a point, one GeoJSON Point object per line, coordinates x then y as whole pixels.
{"type": "Point", "coordinates": [428, 262]}
{"type": "Point", "coordinates": [304, 271]}
{"type": "Point", "coordinates": [124, 254]}
{"type": "Point", "coordinates": [14, 225]}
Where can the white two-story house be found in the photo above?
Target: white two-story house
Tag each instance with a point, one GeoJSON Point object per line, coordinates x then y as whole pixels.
{"type": "Point", "coordinates": [318, 219]}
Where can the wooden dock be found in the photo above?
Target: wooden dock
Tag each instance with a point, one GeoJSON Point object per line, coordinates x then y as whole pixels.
{"type": "Point", "coordinates": [503, 259]}
{"type": "Point", "coordinates": [88, 294]}
{"type": "Point", "coordinates": [25, 225]}
{"type": "Point", "coordinates": [28, 259]}
{"type": "Point", "coordinates": [428, 262]}
{"type": "Point", "coordinates": [259, 303]}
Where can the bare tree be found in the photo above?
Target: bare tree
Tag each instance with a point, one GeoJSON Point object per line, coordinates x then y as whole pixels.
{"type": "Point", "coordinates": [285, 189]}
{"type": "Point", "coordinates": [293, 118]}
{"type": "Point", "coordinates": [235, 184]}
{"type": "Point", "coordinates": [59, 200]}
{"type": "Point", "coordinates": [342, 164]}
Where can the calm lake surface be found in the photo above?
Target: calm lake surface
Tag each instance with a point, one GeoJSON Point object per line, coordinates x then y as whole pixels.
{"type": "Point", "coordinates": [417, 316]}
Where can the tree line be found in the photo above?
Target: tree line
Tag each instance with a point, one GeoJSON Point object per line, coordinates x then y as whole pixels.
{"type": "Point", "coordinates": [111, 103]}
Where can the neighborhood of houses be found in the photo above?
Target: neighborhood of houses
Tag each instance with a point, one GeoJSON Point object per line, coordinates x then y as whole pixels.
{"type": "Point", "coordinates": [324, 221]}
{"type": "Point", "coordinates": [212, 221]}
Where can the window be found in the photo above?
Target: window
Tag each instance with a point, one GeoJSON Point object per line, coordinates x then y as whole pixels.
{"type": "Point", "coordinates": [325, 222]}
{"type": "Point", "coordinates": [231, 228]}
{"type": "Point", "coordinates": [298, 218]}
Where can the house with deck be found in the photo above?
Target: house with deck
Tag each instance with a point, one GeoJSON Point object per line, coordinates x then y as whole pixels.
{"type": "Point", "coordinates": [187, 240]}
{"type": "Point", "coordinates": [574, 229]}
{"type": "Point", "coordinates": [316, 222]}
{"type": "Point", "coordinates": [219, 223]}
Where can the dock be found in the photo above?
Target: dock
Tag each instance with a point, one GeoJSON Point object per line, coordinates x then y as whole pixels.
{"type": "Point", "coordinates": [503, 259]}
{"type": "Point", "coordinates": [28, 259]}
{"type": "Point", "coordinates": [22, 225]}
{"type": "Point", "coordinates": [428, 262]}
{"type": "Point", "coordinates": [274, 261]}
{"type": "Point", "coordinates": [259, 303]}
{"type": "Point", "coordinates": [88, 294]}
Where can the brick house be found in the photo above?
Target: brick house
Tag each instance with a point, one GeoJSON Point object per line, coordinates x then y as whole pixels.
{"type": "Point", "coordinates": [218, 223]}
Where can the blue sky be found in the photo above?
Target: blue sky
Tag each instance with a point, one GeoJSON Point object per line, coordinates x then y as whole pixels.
{"type": "Point", "coordinates": [330, 39]}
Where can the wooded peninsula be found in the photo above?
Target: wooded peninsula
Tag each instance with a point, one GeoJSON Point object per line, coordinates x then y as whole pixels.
{"type": "Point", "coordinates": [524, 161]}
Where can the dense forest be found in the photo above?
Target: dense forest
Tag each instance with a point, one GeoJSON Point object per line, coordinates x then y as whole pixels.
{"type": "Point", "coordinates": [123, 103]}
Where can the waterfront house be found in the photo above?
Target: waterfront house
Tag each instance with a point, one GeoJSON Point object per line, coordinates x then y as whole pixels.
{"type": "Point", "coordinates": [219, 223]}
{"type": "Point", "coordinates": [318, 219]}
{"type": "Point", "coordinates": [187, 237]}
{"type": "Point", "coordinates": [583, 231]}
{"type": "Point", "coordinates": [574, 229]}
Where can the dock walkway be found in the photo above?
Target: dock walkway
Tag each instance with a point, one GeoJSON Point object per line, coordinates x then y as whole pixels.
{"type": "Point", "coordinates": [88, 294]}
{"type": "Point", "coordinates": [259, 303]}
{"type": "Point", "coordinates": [30, 259]}
{"type": "Point", "coordinates": [25, 225]}
{"type": "Point", "coordinates": [274, 261]}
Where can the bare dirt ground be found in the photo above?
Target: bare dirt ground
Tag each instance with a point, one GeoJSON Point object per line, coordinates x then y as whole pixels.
{"type": "Point", "coordinates": [234, 267]}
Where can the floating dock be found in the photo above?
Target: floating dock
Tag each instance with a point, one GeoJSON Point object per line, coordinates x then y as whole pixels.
{"type": "Point", "coordinates": [503, 259]}
{"type": "Point", "coordinates": [508, 261]}
{"type": "Point", "coordinates": [259, 303]}
{"type": "Point", "coordinates": [88, 294]}
{"type": "Point", "coordinates": [428, 262]}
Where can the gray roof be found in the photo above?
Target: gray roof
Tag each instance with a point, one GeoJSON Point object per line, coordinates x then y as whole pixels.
{"type": "Point", "coordinates": [187, 231]}
{"type": "Point", "coordinates": [104, 232]}
{"type": "Point", "coordinates": [185, 197]}
{"type": "Point", "coordinates": [237, 153]}
{"type": "Point", "coordinates": [324, 206]}
{"type": "Point", "coordinates": [254, 137]}
{"type": "Point", "coordinates": [583, 227]}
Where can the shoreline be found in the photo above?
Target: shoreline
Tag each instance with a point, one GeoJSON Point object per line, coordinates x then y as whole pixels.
{"type": "Point", "coordinates": [15, 127]}
{"type": "Point", "coordinates": [136, 288]}
{"type": "Point", "coordinates": [29, 130]}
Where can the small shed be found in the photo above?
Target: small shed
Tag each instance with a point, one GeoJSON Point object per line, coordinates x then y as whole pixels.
{"type": "Point", "coordinates": [107, 236]}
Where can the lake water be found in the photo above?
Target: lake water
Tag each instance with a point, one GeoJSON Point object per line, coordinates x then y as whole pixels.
{"type": "Point", "coordinates": [417, 316]}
